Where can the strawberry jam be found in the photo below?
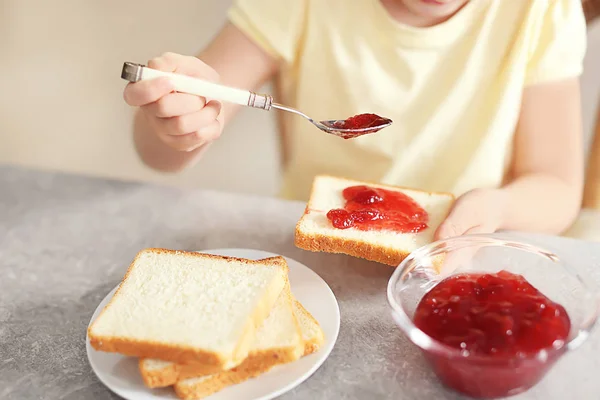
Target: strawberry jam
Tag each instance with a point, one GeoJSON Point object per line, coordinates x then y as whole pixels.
{"type": "Point", "coordinates": [507, 332]}
{"type": "Point", "coordinates": [369, 208]}
{"type": "Point", "coordinates": [365, 123]}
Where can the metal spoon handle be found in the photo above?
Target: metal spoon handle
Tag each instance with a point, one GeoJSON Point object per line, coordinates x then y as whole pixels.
{"type": "Point", "coordinates": [186, 84]}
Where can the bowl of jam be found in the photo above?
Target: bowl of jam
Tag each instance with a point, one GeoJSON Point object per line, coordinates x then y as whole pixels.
{"type": "Point", "coordinates": [491, 315]}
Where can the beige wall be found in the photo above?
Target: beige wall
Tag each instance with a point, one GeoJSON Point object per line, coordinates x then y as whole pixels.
{"type": "Point", "coordinates": [61, 96]}
{"type": "Point", "coordinates": [61, 101]}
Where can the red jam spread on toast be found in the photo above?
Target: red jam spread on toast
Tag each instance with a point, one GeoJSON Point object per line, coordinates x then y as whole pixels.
{"type": "Point", "coordinates": [501, 317]}
{"type": "Point", "coordinates": [365, 123]}
{"type": "Point", "coordinates": [369, 208]}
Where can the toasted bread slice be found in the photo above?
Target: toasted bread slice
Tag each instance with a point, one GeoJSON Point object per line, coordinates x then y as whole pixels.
{"type": "Point", "coordinates": [279, 336]}
{"type": "Point", "coordinates": [314, 231]}
{"type": "Point", "coordinates": [312, 334]}
{"type": "Point", "coordinates": [188, 307]}
{"type": "Point", "coordinates": [158, 373]}
{"type": "Point", "coordinates": [200, 387]}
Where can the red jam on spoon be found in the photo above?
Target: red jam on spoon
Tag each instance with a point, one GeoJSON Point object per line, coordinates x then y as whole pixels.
{"type": "Point", "coordinates": [365, 123]}
{"type": "Point", "coordinates": [501, 325]}
{"type": "Point", "coordinates": [369, 208]}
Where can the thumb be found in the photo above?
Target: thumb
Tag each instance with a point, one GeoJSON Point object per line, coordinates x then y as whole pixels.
{"type": "Point", "coordinates": [459, 221]}
{"type": "Point", "coordinates": [447, 229]}
{"type": "Point", "coordinates": [186, 65]}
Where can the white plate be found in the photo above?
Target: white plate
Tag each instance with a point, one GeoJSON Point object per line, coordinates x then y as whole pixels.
{"type": "Point", "coordinates": [121, 375]}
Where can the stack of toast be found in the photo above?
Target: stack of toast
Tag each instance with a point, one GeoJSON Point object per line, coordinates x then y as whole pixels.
{"type": "Point", "coordinates": [200, 322]}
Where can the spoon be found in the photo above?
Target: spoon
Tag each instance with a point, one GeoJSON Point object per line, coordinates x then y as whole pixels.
{"type": "Point", "coordinates": [352, 127]}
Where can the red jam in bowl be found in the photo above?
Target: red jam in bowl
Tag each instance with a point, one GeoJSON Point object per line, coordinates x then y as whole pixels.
{"type": "Point", "coordinates": [507, 333]}
{"type": "Point", "coordinates": [369, 208]}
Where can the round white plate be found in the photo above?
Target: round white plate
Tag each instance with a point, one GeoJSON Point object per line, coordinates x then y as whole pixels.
{"type": "Point", "coordinates": [121, 375]}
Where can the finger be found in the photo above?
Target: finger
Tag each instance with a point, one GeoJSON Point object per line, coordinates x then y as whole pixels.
{"type": "Point", "coordinates": [148, 91]}
{"type": "Point", "coordinates": [448, 229]}
{"type": "Point", "coordinates": [211, 132]}
{"type": "Point", "coordinates": [460, 223]}
{"type": "Point", "coordinates": [166, 62]}
{"type": "Point", "coordinates": [459, 220]}
{"type": "Point", "coordinates": [188, 142]}
{"type": "Point", "coordinates": [477, 229]}
{"type": "Point", "coordinates": [192, 141]}
{"type": "Point", "coordinates": [192, 122]}
{"type": "Point", "coordinates": [462, 256]}
{"type": "Point", "coordinates": [186, 65]}
{"type": "Point", "coordinates": [174, 105]}
{"type": "Point", "coordinates": [458, 258]}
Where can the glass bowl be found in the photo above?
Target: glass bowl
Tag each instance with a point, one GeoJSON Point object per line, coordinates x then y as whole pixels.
{"type": "Point", "coordinates": [483, 376]}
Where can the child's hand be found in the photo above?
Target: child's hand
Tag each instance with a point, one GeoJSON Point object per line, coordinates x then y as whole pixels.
{"type": "Point", "coordinates": [478, 211]}
{"type": "Point", "coordinates": [184, 122]}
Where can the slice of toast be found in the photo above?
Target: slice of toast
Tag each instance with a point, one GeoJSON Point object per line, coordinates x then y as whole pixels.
{"type": "Point", "coordinates": [158, 373]}
{"type": "Point", "coordinates": [200, 387]}
{"type": "Point", "coordinates": [312, 334]}
{"type": "Point", "coordinates": [314, 231]}
{"type": "Point", "coordinates": [188, 307]}
{"type": "Point", "coordinates": [279, 336]}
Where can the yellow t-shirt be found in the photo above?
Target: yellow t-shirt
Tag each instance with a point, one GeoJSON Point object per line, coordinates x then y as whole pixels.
{"type": "Point", "coordinates": [452, 90]}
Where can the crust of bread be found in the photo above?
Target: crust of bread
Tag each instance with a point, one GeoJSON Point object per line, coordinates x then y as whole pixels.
{"type": "Point", "coordinates": [313, 345]}
{"type": "Point", "coordinates": [157, 378]}
{"type": "Point", "coordinates": [186, 354]}
{"type": "Point", "coordinates": [255, 365]}
{"type": "Point", "coordinates": [170, 374]}
{"type": "Point", "coordinates": [339, 245]}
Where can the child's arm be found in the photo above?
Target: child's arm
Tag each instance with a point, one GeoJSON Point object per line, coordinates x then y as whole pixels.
{"type": "Point", "coordinates": [548, 166]}
{"type": "Point", "coordinates": [171, 130]}
{"type": "Point", "coordinates": [546, 175]}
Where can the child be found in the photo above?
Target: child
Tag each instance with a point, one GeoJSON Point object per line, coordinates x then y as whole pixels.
{"type": "Point", "coordinates": [484, 95]}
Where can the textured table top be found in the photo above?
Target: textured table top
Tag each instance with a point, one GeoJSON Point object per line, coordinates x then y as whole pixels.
{"type": "Point", "coordinates": [66, 241]}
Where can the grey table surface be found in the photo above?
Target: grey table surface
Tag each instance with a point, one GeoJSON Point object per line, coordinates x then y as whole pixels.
{"type": "Point", "coordinates": [66, 241]}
